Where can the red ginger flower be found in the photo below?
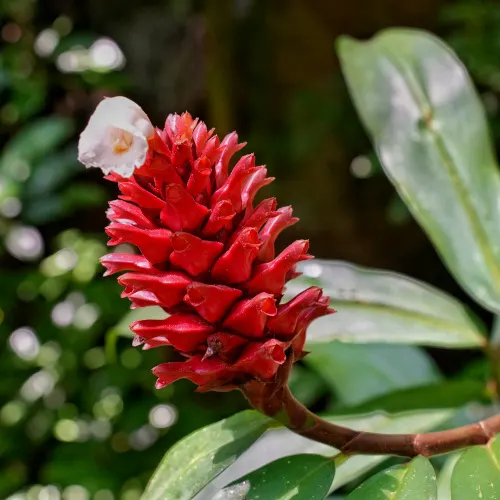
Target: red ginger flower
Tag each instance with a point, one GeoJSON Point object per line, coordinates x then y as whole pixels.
{"type": "Point", "coordinates": [206, 253]}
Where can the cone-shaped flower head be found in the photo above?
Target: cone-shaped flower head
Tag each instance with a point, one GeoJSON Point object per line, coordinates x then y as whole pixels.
{"type": "Point", "coordinates": [205, 248]}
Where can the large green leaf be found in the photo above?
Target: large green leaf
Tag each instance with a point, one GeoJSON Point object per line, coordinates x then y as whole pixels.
{"type": "Point", "coordinates": [358, 372]}
{"type": "Point", "coordinates": [476, 474]}
{"type": "Point", "coordinates": [278, 443]}
{"type": "Point", "coordinates": [430, 133]}
{"type": "Point", "coordinates": [381, 306]}
{"type": "Point", "coordinates": [446, 394]}
{"type": "Point", "coordinates": [413, 481]}
{"type": "Point", "coordinates": [298, 477]}
{"type": "Point", "coordinates": [200, 457]}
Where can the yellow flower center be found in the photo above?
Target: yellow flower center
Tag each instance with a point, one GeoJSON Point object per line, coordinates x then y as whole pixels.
{"type": "Point", "coordinates": [121, 140]}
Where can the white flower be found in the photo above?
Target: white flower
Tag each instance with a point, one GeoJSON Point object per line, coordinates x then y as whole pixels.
{"type": "Point", "coordinates": [116, 137]}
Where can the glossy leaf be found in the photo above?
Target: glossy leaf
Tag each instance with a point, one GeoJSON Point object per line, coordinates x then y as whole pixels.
{"type": "Point", "coordinates": [476, 474]}
{"type": "Point", "coordinates": [200, 457]}
{"type": "Point", "coordinates": [382, 306]}
{"type": "Point", "coordinates": [296, 477]}
{"type": "Point", "coordinates": [446, 394]}
{"type": "Point", "coordinates": [281, 442]}
{"type": "Point", "coordinates": [358, 372]}
{"type": "Point", "coordinates": [430, 133]}
{"type": "Point", "coordinates": [413, 481]}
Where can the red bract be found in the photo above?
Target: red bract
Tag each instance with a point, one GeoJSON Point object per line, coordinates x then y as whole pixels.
{"type": "Point", "coordinates": [208, 259]}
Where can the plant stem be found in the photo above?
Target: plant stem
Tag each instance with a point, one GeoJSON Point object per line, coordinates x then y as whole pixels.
{"type": "Point", "coordinates": [275, 400]}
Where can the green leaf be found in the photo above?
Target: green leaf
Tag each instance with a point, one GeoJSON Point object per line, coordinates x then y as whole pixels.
{"type": "Point", "coordinates": [296, 477]}
{"type": "Point", "coordinates": [278, 443]}
{"type": "Point", "coordinates": [358, 372]}
{"type": "Point", "coordinates": [413, 481]}
{"type": "Point", "coordinates": [200, 457]}
{"type": "Point", "coordinates": [34, 141]}
{"type": "Point", "coordinates": [446, 394]}
{"type": "Point", "coordinates": [381, 306]}
{"type": "Point", "coordinates": [476, 475]}
{"type": "Point", "coordinates": [430, 133]}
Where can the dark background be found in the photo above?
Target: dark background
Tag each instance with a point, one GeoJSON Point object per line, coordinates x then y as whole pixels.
{"type": "Point", "coordinates": [78, 411]}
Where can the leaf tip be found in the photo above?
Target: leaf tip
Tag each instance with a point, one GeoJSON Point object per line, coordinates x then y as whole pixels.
{"type": "Point", "coordinates": [344, 43]}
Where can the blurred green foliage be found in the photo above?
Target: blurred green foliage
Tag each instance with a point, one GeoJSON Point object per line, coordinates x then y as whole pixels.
{"type": "Point", "coordinates": [78, 410]}
{"type": "Point", "coordinates": [78, 413]}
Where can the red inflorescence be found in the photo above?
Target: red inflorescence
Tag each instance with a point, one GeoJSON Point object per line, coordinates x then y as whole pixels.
{"type": "Point", "coordinates": [207, 258]}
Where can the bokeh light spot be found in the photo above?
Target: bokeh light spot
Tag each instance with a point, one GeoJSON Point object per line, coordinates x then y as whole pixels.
{"type": "Point", "coordinates": [11, 207]}
{"type": "Point", "coordinates": [12, 412]}
{"type": "Point", "coordinates": [66, 430]}
{"type": "Point", "coordinates": [361, 167]}
{"type": "Point", "coordinates": [46, 42]}
{"type": "Point", "coordinates": [75, 492]}
{"type": "Point", "coordinates": [24, 243]}
{"type": "Point", "coordinates": [24, 343]}
{"type": "Point", "coordinates": [162, 416]}
{"type": "Point", "coordinates": [143, 437]}
{"type": "Point", "coordinates": [38, 385]}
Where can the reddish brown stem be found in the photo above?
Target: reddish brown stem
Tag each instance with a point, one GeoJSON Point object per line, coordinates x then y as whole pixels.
{"type": "Point", "coordinates": [276, 400]}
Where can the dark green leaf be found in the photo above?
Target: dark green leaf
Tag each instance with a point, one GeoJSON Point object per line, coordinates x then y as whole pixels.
{"type": "Point", "coordinates": [193, 462]}
{"type": "Point", "coordinates": [413, 481]}
{"type": "Point", "coordinates": [381, 306]}
{"type": "Point", "coordinates": [358, 372]}
{"type": "Point", "coordinates": [297, 477]}
{"type": "Point", "coordinates": [430, 132]}
{"type": "Point", "coordinates": [476, 474]}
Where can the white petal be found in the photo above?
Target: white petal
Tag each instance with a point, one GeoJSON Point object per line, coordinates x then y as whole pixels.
{"type": "Point", "coordinates": [116, 137]}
